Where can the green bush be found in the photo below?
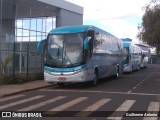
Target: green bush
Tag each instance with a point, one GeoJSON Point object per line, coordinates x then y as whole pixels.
{"type": "Point", "coordinates": [39, 76]}
{"type": "Point", "coordinates": [6, 79]}
{"type": "Point", "coordinates": [10, 79]}
{"type": "Point", "coordinates": [20, 78]}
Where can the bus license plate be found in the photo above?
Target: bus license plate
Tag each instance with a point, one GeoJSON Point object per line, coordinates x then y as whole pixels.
{"type": "Point", "coordinates": [62, 78]}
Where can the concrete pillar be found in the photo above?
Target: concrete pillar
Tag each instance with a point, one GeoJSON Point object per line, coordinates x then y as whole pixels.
{"type": "Point", "coordinates": [65, 18]}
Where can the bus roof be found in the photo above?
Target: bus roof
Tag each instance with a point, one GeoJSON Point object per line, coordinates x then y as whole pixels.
{"type": "Point", "coordinates": [125, 45]}
{"type": "Point", "coordinates": [69, 29]}
{"type": "Point", "coordinates": [126, 42]}
{"type": "Point", "coordinates": [76, 29]}
{"type": "Point", "coordinates": [126, 39]}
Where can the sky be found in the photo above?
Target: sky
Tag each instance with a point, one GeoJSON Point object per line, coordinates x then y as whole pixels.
{"type": "Point", "coordinates": [118, 17]}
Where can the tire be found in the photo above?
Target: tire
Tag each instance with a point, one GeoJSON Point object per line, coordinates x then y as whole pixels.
{"type": "Point", "coordinates": [94, 82]}
{"type": "Point", "coordinates": [138, 68]}
{"type": "Point", "coordinates": [117, 73]}
{"type": "Point", "coordinates": [131, 70]}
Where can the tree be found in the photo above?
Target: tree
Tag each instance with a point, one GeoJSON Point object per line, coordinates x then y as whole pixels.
{"type": "Point", "coordinates": [149, 29]}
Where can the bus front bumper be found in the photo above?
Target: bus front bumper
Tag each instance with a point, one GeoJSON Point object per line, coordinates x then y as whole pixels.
{"type": "Point", "coordinates": [68, 77]}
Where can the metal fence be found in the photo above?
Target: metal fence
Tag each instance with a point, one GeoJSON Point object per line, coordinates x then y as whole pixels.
{"type": "Point", "coordinates": [21, 27]}
{"type": "Point", "coordinates": [20, 61]}
{"type": "Point", "coordinates": [154, 60]}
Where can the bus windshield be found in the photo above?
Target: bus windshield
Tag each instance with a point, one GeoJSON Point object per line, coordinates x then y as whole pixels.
{"type": "Point", "coordinates": [126, 59]}
{"type": "Point", "coordinates": [64, 50]}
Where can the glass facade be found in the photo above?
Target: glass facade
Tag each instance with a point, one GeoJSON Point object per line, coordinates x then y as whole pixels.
{"type": "Point", "coordinates": [21, 27]}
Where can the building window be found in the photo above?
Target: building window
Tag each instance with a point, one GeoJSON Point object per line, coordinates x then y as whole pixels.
{"type": "Point", "coordinates": [21, 27]}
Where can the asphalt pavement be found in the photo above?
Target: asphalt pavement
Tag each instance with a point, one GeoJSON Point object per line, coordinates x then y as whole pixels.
{"type": "Point", "coordinates": [138, 92]}
{"type": "Point", "coordinates": [7, 90]}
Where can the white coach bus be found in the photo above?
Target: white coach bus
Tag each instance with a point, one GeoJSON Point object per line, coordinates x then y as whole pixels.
{"type": "Point", "coordinates": [133, 58]}
{"type": "Point", "coordinates": [146, 54]}
{"type": "Point", "coordinates": [81, 53]}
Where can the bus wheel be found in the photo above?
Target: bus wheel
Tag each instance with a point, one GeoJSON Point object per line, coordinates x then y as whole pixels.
{"type": "Point", "coordinates": [138, 68]}
{"type": "Point", "coordinates": [95, 78]}
{"type": "Point", "coordinates": [131, 69]}
{"type": "Point", "coordinates": [117, 72]}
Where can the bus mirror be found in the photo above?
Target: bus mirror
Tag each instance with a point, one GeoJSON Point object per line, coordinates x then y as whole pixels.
{"type": "Point", "coordinates": [40, 44]}
{"type": "Point", "coordinates": [86, 41]}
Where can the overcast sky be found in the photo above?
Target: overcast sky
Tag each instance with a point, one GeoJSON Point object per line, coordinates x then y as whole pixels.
{"type": "Point", "coordinates": [119, 17]}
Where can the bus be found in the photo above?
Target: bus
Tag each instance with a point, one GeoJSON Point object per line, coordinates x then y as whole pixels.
{"type": "Point", "coordinates": [81, 53]}
{"type": "Point", "coordinates": [132, 56]}
{"type": "Point", "coordinates": [146, 55]}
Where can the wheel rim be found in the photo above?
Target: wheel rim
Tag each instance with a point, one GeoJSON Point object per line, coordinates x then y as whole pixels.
{"type": "Point", "coordinates": [117, 73]}
{"type": "Point", "coordinates": [95, 78]}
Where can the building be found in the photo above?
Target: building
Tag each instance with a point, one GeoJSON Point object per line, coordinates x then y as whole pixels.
{"type": "Point", "coordinates": [25, 22]}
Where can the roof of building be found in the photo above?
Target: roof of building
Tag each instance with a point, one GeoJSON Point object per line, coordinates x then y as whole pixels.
{"type": "Point", "coordinates": [64, 5]}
